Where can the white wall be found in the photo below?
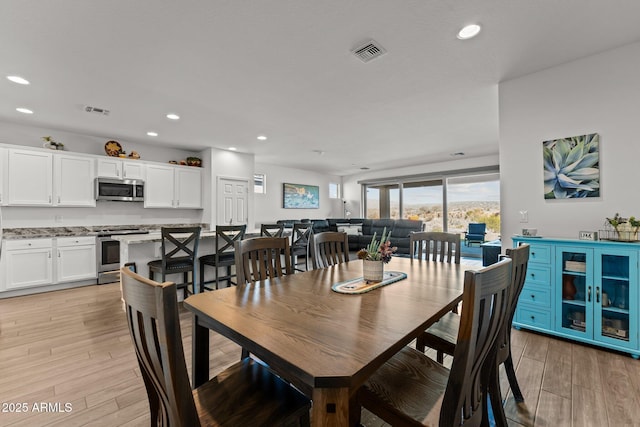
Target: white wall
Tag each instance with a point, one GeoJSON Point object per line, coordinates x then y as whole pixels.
{"type": "Point", "coordinates": [268, 207]}
{"type": "Point", "coordinates": [352, 190]}
{"type": "Point", "coordinates": [105, 213]}
{"type": "Point", "coordinates": [601, 94]}
{"type": "Point", "coordinates": [227, 164]}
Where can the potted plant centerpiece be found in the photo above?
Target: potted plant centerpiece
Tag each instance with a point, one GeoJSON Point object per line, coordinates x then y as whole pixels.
{"type": "Point", "coordinates": [375, 255]}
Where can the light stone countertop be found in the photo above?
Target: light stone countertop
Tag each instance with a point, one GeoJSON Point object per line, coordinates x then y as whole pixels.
{"type": "Point", "coordinates": [76, 231]}
{"type": "Point", "coordinates": [152, 237]}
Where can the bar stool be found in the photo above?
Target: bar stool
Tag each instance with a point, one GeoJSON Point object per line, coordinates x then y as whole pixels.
{"type": "Point", "coordinates": [179, 254]}
{"type": "Point", "coordinates": [226, 237]}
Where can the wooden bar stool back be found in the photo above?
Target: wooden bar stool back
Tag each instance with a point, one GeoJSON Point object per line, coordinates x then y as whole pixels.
{"type": "Point", "coordinates": [225, 255]}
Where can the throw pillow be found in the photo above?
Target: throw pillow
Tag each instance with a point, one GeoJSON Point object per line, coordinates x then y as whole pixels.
{"type": "Point", "coordinates": [350, 229]}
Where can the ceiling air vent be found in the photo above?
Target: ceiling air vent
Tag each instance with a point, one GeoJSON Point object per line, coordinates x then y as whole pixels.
{"type": "Point", "coordinates": [90, 109]}
{"type": "Point", "coordinates": [369, 51]}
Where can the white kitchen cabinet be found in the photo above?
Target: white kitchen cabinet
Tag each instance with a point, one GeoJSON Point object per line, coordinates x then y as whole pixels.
{"type": "Point", "coordinates": [29, 263]}
{"type": "Point", "coordinates": [3, 176]}
{"type": "Point", "coordinates": [173, 187]}
{"type": "Point", "coordinates": [73, 180]}
{"type": "Point", "coordinates": [76, 258]}
{"type": "Point", "coordinates": [29, 178]}
{"type": "Point", "coordinates": [113, 167]}
{"type": "Point", "coordinates": [188, 188]}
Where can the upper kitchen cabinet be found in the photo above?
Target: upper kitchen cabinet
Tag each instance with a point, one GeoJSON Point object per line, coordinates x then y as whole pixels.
{"type": "Point", "coordinates": [3, 176]}
{"type": "Point", "coordinates": [37, 178]}
{"type": "Point", "coordinates": [73, 180]}
{"type": "Point", "coordinates": [173, 187]}
{"type": "Point", "coordinates": [113, 167]}
{"type": "Point", "coordinates": [29, 178]}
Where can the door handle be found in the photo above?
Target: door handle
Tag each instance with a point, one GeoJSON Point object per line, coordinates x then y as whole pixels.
{"type": "Point", "coordinates": [598, 294]}
{"type": "Point", "coordinates": [589, 294]}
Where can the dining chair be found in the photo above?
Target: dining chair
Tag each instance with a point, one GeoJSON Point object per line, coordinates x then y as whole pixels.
{"type": "Point", "coordinates": [246, 393]}
{"type": "Point", "coordinates": [179, 250]}
{"type": "Point", "coordinates": [442, 335]}
{"type": "Point", "coordinates": [435, 246]}
{"type": "Point", "coordinates": [300, 237]}
{"type": "Point", "coordinates": [413, 389]}
{"type": "Point", "coordinates": [262, 258]}
{"type": "Point", "coordinates": [329, 248]}
{"type": "Point", "coordinates": [272, 230]}
{"type": "Point", "coordinates": [225, 255]}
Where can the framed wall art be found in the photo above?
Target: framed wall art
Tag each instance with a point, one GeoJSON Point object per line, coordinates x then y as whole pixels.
{"type": "Point", "coordinates": [299, 196]}
{"type": "Point", "coordinates": [572, 167]}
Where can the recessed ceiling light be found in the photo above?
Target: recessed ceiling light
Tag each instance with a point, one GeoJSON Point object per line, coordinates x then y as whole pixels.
{"type": "Point", "coordinates": [24, 110]}
{"type": "Point", "coordinates": [173, 116]}
{"type": "Point", "coordinates": [18, 79]}
{"type": "Point", "coordinates": [152, 133]}
{"type": "Point", "coordinates": [262, 138]}
{"type": "Point", "coordinates": [233, 149]}
{"type": "Point", "coordinates": [469, 32]}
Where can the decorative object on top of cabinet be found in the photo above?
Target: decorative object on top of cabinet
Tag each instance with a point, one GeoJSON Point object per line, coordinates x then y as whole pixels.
{"type": "Point", "coordinates": [182, 162]}
{"type": "Point", "coordinates": [620, 229]}
{"type": "Point", "coordinates": [194, 161]}
{"type": "Point", "coordinates": [572, 167]}
{"type": "Point", "coordinates": [173, 162]}
{"type": "Point", "coordinates": [588, 235]}
{"type": "Point", "coordinates": [134, 155]}
{"type": "Point", "coordinates": [51, 144]}
{"type": "Point", "coordinates": [113, 148]}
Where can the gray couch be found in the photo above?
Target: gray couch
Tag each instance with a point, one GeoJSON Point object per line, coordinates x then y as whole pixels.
{"type": "Point", "coordinates": [360, 230]}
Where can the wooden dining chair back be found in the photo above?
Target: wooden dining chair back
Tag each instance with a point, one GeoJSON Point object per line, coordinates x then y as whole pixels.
{"type": "Point", "coordinates": [271, 230]}
{"type": "Point", "coordinates": [246, 393]}
{"type": "Point", "coordinates": [179, 249]}
{"type": "Point", "coordinates": [329, 248]}
{"type": "Point", "coordinates": [435, 246]}
{"type": "Point", "coordinates": [413, 389]}
{"type": "Point", "coordinates": [300, 238]}
{"type": "Point", "coordinates": [225, 255]}
{"type": "Point", "coordinates": [262, 258]}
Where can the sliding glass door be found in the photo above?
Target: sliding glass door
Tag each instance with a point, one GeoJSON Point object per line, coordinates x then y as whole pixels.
{"type": "Point", "coordinates": [474, 198]}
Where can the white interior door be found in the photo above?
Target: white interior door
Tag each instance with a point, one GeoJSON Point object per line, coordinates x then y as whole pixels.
{"type": "Point", "coordinates": [233, 196]}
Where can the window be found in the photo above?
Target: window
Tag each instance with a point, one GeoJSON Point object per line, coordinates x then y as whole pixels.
{"type": "Point", "coordinates": [260, 183]}
{"type": "Point", "coordinates": [474, 198]}
{"type": "Point", "coordinates": [334, 190]}
{"type": "Point", "coordinates": [422, 201]}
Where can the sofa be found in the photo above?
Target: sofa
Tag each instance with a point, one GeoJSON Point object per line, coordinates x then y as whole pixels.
{"type": "Point", "coordinates": [361, 230]}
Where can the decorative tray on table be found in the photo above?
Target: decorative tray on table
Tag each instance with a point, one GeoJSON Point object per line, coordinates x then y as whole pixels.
{"type": "Point", "coordinates": [360, 286]}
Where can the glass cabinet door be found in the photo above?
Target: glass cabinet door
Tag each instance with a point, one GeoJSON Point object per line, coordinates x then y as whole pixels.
{"type": "Point", "coordinates": [616, 291]}
{"type": "Point", "coordinates": [576, 291]}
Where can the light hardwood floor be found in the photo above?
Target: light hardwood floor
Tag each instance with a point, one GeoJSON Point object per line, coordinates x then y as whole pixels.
{"type": "Point", "coordinates": [73, 347]}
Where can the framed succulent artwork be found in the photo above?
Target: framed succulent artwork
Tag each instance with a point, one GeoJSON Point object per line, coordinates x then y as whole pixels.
{"type": "Point", "coordinates": [572, 167]}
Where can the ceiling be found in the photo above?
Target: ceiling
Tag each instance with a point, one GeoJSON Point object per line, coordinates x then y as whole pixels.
{"type": "Point", "coordinates": [234, 70]}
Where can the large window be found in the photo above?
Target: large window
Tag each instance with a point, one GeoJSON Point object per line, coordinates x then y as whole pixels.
{"type": "Point", "coordinates": [448, 202]}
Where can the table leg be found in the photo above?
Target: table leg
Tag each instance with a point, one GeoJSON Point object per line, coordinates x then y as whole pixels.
{"type": "Point", "coordinates": [200, 356]}
{"type": "Point", "coordinates": [330, 407]}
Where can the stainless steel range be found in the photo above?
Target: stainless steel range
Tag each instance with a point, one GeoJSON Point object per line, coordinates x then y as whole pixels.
{"type": "Point", "coordinates": [108, 253]}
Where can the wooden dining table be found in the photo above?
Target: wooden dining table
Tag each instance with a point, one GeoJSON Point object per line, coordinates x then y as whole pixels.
{"type": "Point", "coordinates": [325, 343]}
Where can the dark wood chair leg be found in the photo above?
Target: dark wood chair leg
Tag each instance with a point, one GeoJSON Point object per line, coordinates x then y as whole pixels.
{"type": "Point", "coordinates": [245, 353]}
{"type": "Point", "coordinates": [440, 357]}
{"type": "Point", "coordinates": [420, 343]}
{"type": "Point", "coordinates": [495, 397]}
{"type": "Point", "coordinates": [513, 381]}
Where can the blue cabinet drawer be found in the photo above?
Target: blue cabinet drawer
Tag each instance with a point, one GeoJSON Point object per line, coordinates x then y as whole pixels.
{"type": "Point", "coordinates": [540, 254]}
{"type": "Point", "coordinates": [537, 318]}
{"type": "Point", "coordinates": [538, 275]}
{"type": "Point", "coordinates": [535, 297]}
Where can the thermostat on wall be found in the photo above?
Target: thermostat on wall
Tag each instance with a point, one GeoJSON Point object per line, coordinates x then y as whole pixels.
{"type": "Point", "coordinates": [588, 235]}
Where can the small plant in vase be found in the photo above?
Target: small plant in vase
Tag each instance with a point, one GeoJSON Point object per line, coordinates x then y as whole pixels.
{"type": "Point", "coordinates": [375, 255]}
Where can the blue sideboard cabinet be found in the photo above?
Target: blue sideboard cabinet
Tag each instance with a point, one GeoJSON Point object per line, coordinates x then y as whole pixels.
{"type": "Point", "coordinates": [582, 290]}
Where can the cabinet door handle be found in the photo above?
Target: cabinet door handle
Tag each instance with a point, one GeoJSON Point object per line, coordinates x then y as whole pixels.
{"type": "Point", "coordinates": [533, 254]}
{"type": "Point", "coordinates": [533, 275]}
{"type": "Point", "coordinates": [533, 296]}
{"type": "Point", "coordinates": [49, 253]}
{"type": "Point", "coordinates": [58, 253]}
{"type": "Point", "coordinates": [58, 199]}
{"type": "Point", "coordinates": [533, 317]}
{"type": "Point", "coordinates": [589, 294]}
{"type": "Point", "coordinates": [597, 294]}
{"type": "Point", "coordinates": [49, 199]}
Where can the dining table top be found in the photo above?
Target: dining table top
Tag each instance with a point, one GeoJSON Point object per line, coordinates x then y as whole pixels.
{"type": "Point", "coordinates": [315, 337]}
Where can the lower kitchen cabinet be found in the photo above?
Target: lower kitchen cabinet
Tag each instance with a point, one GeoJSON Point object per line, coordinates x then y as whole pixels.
{"type": "Point", "coordinates": [76, 258]}
{"type": "Point", "coordinates": [29, 263]}
{"type": "Point", "coordinates": [583, 290]}
{"type": "Point", "coordinates": [42, 262]}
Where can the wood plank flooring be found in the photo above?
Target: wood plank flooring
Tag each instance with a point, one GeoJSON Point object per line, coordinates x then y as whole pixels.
{"type": "Point", "coordinates": [72, 348]}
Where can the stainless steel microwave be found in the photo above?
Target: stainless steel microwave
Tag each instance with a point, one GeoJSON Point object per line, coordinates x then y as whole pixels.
{"type": "Point", "coordinates": [121, 190]}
